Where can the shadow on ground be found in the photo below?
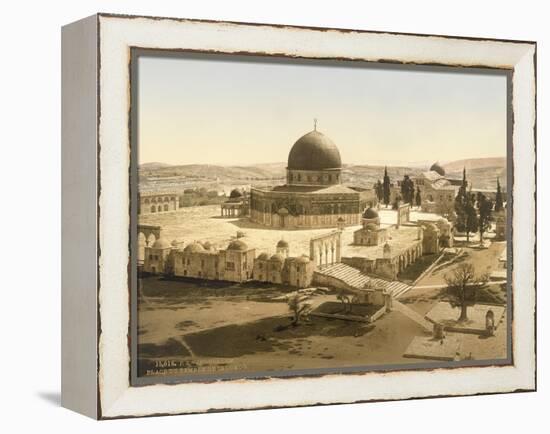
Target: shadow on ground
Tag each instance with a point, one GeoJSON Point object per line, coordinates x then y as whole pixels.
{"type": "Point", "coordinates": [52, 398]}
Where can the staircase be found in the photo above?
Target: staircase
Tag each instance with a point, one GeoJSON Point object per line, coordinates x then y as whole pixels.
{"type": "Point", "coordinates": [357, 279]}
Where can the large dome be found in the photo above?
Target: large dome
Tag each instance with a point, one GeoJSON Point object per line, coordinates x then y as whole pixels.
{"type": "Point", "coordinates": [436, 167]}
{"type": "Point", "coordinates": [314, 151]}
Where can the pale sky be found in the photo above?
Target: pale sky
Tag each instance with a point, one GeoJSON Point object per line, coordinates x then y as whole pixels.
{"type": "Point", "coordinates": [210, 109]}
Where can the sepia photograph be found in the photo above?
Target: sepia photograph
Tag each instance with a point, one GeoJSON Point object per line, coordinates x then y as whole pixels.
{"type": "Point", "coordinates": [298, 216]}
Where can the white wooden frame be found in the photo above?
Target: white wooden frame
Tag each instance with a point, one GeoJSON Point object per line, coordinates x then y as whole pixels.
{"type": "Point", "coordinates": [96, 216]}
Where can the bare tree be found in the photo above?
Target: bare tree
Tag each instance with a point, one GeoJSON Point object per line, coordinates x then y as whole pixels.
{"type": "Point", "coordinates": [298, 307]}
{"type": "Point", "coordinates": [346, 301]}
{"type": "Point", "coordinates": [462, 287]}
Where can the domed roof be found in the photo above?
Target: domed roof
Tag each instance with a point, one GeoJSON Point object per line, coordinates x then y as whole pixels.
{"type": "Point", "coordinates": [237, 245]}
{"type": "Point", "coordinates": [263, 256]}
{"type": "Point", "coordinates": [207, 245]}
{"type": "Point", "coordinates": [303, 259]}
{"type": "Point", "coordinates": [282, 243]}
{"type": "Point", "coordinates": [161, 243]}
{"type": "Point", "coordinates": [371, 227]}
{"type": "Point", "coordinates": [277, 258]}
{"type": "Point", "coordinates": [194, 247]}
{"type": "Point", "coordinates": [314, 151]}
{"type": "Point", "coordinates": [370, 213]}
{"type": "Point", "coordinates": [235, 193]}
{"type": "Point", "coordinates": [437, 168]}
{"type": "Point", "coordinates": [174, 243]}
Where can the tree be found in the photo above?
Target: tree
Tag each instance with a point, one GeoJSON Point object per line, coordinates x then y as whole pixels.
{"type": "Point", "coordinates": [298, 307]}
{"type": "Point", "coordinates": [407, 189]}
{"type": "Point", "coordinates": [346, 301]}
{"type": "Point", "coordinates": [499, 205]}
{"type": "Point", "coordinates": [386, 187]}
{"type": "Point", "coordinates": [379, 189]}
{"type": "Point", "coordinates": [462, 288]}
{"type": "Point", "coordinates": [485, 215]}
{"type": "Point", "coordinates": [418, 198]}
{"type": "Point", "coordinates": [472, 223]}
{"type": "Point", "coordinates": [466, 215]}
{"type": "Point", "coordinates": [396, 202]}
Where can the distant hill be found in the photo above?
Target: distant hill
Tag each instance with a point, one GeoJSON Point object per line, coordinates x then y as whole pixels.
{"type": "Point", "coordinates": [482, 172]}
{"type": "Point", "coordinates": [474, 163]}
{"type": "Point", "coordinates": [211, 171]}
{"type": "Point", "coordinates": [152, 166]}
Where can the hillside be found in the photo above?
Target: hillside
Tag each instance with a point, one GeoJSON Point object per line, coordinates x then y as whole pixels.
{"type": "Point", "coordinates": [159, 176]}
{"type": "Point", "coordinates": [474, 164]}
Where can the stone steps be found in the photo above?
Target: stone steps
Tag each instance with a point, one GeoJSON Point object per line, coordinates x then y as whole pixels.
{"type": "Point", "coordinates": [357, 279]}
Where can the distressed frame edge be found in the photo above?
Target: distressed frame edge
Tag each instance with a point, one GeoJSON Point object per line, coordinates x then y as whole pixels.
{"type": "Point", "coordinates": [79, 272]}
{"type": "Point", "coordinates": [529, 386]}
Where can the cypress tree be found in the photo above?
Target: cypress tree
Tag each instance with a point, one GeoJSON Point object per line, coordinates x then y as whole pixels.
{"type": "Point", "coordinates": [386, 187]}
{"type": "Point", "coordinates": [485, 215]}
{"type": "Point", "coordinates": [418, 198]}
{"type": "Point", "coordinates": [499, 205]}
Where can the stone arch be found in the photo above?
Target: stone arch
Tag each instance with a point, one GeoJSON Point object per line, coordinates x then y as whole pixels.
{"type": "Point", "coordinates": [159, 208]}
{"type": "Point", "coordinates": [153, 208]}
{"type": "Point", "coordinates": [142, 242]}
{"type": "Point", "coordinates": [165, 207]}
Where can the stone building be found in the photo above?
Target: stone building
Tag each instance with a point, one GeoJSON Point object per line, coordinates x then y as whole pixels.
{"type": "Point", "coordinates": [157, 257]}
{"type": "Point", "coordinates": [152, 202]}
{"type": "Point", "coordinates": [393, 261]}
{"type": "Point", "coordinates": [371, 234]}
{"type": "Point", "coordinates": [237, 205]}
{"type": "Point", "coordinates": [313, 196]}
{"type": "Point", "coordinates": [196, 260]}
{"type": "Point", "coordinates": [430, 238]}
{"type": "Point", "coordinates": [203, 261]}
{"type": "Point", "coordinates": [437, 192]}
{"type": "Point", "coordinates": [236, 263]}
{"type": "Point", "coordinates": [445, 232]}
{"type": "Point", "coordinates": [293, 271]}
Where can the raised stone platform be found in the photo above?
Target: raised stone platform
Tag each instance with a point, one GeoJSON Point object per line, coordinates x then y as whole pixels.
{"type": "Point", "coordinates": [446, 349]}
{"type": "Point", "coordinates": [447, 315]}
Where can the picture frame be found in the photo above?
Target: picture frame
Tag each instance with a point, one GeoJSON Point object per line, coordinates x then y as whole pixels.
{"type": "Point", "coordinates": [99, 200]}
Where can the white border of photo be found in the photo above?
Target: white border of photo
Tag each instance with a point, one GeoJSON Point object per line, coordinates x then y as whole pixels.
{"type": "Point", "coordinates": [116, 397]}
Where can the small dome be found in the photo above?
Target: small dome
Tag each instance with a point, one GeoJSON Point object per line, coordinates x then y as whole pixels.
{"type": "Point", "coordinates": [235, 194]}
{"type": "Point", "coordinates": [282, 211]}
{"type": "Point", "coordinates": [282, 243]}
{"type": "Point", "coordinates": [314, 151]}
{"type": "Point", "coordinates": [277, 258]}
{"type": "Point", "coordinates": [194, 248]}
{"type": "Point", "coordinates": [174, 243]}
{"type": "Point", "coordinates": [161, 243]}
{"type": "Point", "coordinates": [237, 245]}
{"type": "Point", "coordinates": [207, 245]}
{"type": "Point", "coordinates": [437, 168]}
{"type": "Point", "coordinates": [430, 227]}
{"type": "Point", "coordinates": [303, 259]}
{"type": "Point", "coordinates": [263, 256]}
{"type": "Point", "coordinates": [370, 213]}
